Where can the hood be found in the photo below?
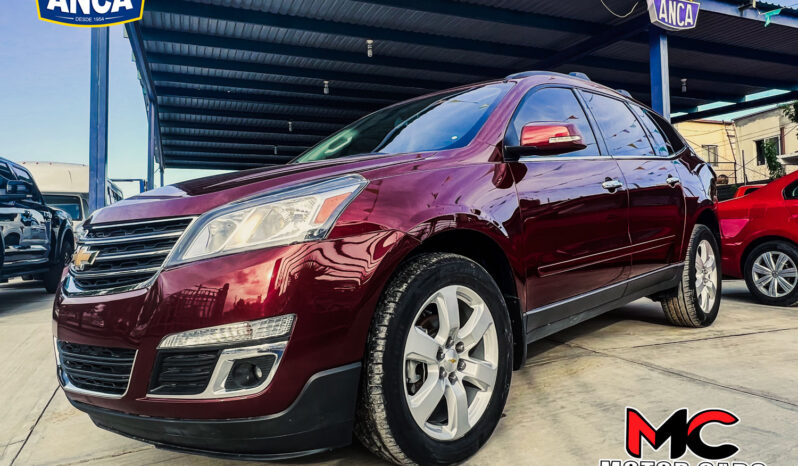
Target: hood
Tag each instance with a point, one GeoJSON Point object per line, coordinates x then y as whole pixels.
{"type": "Point", "coordinates": [198, 196]}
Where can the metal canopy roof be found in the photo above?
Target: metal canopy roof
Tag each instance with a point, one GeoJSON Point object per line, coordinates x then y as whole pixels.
{"type": "Point", "coordinates": [240, 83]}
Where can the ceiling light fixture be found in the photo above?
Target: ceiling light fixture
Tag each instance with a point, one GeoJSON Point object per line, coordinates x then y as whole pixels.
{"type": "Point", "coordinates": [369, 48]}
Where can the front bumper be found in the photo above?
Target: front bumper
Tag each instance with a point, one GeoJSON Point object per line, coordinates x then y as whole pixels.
{"type": "Point", "coordinates": [320, 419]}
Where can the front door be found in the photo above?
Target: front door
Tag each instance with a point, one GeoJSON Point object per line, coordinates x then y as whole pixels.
{"type": "Point", "coordinates": [656, 198]}
{"type": "Point", "coordinates": [575, 213]}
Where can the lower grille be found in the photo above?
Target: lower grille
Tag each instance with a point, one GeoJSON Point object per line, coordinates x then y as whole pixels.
{"type": "Point", "coordinates": [96, 368]}
{"type": "Point", "coordinates": [183, 373]}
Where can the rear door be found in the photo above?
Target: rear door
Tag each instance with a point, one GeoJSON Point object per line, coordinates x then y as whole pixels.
{"type": "Point", "coordinates": [574, 211]}
{"type": "Point", "coordinates": [656, 198]}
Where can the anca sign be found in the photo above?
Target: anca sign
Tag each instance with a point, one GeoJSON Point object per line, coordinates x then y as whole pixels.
{"type": "Point", "coordinates": [674, 15]}
{"type": "Point", "coordinates": [90, 13]}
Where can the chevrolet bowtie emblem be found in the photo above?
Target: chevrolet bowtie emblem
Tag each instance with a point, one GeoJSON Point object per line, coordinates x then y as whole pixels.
{"type": "Point", "coordinates": [453, 361]}
{"type": "Point", "coordinates": [83, 257]}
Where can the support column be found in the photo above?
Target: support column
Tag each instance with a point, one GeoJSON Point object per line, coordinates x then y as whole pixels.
{"type": "Point", "coordinates": [161, 176]}
{"type": "Point", "coordinates": [660, 72]}
{"type": "Point", "coordinates": [153, 142]}
{"type": "Point", "coordinates": [98, 119]}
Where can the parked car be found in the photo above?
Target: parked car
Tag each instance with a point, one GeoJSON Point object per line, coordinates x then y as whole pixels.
{"type": "Point", "coordinates": [66, 186]}
{"type": "Point", "coordinates": [36, 239]}
{"type": "Point", "coordinates": [760, 240]}
{"type": "Point", "coordinates": [389, 279]}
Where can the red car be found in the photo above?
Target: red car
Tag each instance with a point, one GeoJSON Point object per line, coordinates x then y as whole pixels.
{"type": "Point", "coordinates": [747, 189]}
{"type": "Point", "coordinates": [760, 238]}
{"type": "Point", "coordinates": [388, 280]}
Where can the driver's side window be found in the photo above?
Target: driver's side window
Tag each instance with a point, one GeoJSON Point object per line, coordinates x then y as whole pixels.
{"type": "Point", "coordinates": [552, 104]}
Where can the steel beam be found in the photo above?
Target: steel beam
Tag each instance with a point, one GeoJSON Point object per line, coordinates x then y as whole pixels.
{"type": "Point", "coordinates": [172, 149]}
{"type": "Point", "coordinates": [173, 139]}
{"type": "Point", "coordinates": [258, 129]}
{"type": "Point", "coordinates": [340, 94]}
{"type": "Point", "coordinates": [601, 40]}
{"type": "Point", "coordinates": [660, 74]}
{"type": "Point", "coordinates": [217, 165]}
{"type": "Point", "coordinates": [282, 117]}
{"type": "Point", "coordinates": [745, 105]}
{"type": "Point", "coordinates": [317, 101]}
{"type": "Point", "coordinates": [152, 146]}
{"type": "Point", "coordinates": [98, 119]}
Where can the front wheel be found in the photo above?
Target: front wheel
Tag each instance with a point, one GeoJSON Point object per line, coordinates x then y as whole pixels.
{"type": "Point", "coordinates": [771, 273]}
{"type": "Point", "coordinates": [53, 276]}
{"type": "Point", "coordinates": [438, 363]}
{"type": "Point", "coordinates": [696, 301]}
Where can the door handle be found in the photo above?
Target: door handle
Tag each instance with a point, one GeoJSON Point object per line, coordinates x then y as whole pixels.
{"type": "Point", "coordinates": [672, 180]}
{"type": "Point", "coordinates": [611, 185]}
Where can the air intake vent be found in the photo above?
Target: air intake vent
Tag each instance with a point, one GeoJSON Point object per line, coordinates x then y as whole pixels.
{"type": "Point", "coordinates": [95, 368]}
{"type": "Point", "coordinates": [183, 373]}
{"type": "Point", "coordinates": [124, 255]}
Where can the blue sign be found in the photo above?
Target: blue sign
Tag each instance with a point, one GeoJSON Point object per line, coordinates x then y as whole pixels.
{"type": "Point", "coordinates": [90, 13]}
{"type": "Point", "coordinates": [674, 15]}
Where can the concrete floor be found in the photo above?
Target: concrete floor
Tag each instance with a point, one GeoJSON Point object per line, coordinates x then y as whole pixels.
{"type": "Point", "coordinates": [566, 406]}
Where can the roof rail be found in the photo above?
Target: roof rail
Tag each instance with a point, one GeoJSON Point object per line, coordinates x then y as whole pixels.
{"type": "Point", "coordinates": [624, 92]}
{"type": "Point", "coordinates": [577, 74]}
{"type": "Point", "coordinates": [526, 74]}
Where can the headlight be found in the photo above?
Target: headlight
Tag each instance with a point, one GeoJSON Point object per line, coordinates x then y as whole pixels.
{"type": "Point", "coordinates": [301, 213]}
{"type": "Point", "coordinates": [231, 333]}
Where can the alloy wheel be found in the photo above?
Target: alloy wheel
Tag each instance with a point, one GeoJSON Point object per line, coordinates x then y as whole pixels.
{"type": "Point", "coordinates": [706, 276]}
{"type": "Point", "coordinates": [774, 274]}
{"type": "Point", "coordinates": [451, 359]}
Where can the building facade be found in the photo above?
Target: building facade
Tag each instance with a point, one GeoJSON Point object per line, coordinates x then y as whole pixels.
{"type": "Point", "coordinates": [714, 141]}
{"type": "Point", "coordinates": [766, 127]}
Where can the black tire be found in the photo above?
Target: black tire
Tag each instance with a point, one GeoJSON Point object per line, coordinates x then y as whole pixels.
{"type": "Point", "coordinates": [682, 307]}
{"type": "Point", "coordinates": [53, 276]}
{"type": "Point", "coordinates": [782, 247]}
{"type": "Point", "coordinates": [384, 422]}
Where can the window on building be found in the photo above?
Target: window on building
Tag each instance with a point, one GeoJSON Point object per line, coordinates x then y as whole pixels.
{"type": "Point", "coordinates": [710, 154]}
{"type": "Point", "coordinates": [761, 146]}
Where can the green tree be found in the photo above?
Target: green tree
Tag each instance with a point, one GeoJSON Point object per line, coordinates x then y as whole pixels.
{"type": "Point", "coordinates": [771, 152]}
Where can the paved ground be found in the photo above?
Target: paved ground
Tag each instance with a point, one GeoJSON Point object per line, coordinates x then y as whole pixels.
{"type": "Point", "coordinates": [566, 406]}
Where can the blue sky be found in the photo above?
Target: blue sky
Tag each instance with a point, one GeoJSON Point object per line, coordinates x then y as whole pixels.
{"type": "Point", "coordinates": [44, 77]}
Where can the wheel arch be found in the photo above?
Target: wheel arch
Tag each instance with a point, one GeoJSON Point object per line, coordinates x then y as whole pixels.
{"type": "Point", "coordinates": [487, 252]}
{"type": "Point", "coordinates": [709, 218]}
{"type": "Point", "coordinates": [759, 241]}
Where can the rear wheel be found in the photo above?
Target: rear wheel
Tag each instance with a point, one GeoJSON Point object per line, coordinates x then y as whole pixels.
{"type": "Point", "coordinates": [696, 301]}
{"type": "Point", "coordinates": [53, 276]}
{"type": "Point", "coordinates": [438, 363]}
{"type": "Point", "coordinates": [771, 273]}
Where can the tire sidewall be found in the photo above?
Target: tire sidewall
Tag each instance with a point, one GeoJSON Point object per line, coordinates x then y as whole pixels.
{"type": "Point", "coordinates": [701, 233]}
{"type": "Point", "coordinates": [779, 246]}
{"type": "Point", "coordinates": [408, 435]}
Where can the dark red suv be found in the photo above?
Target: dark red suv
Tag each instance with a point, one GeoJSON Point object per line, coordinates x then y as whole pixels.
{"type": "Point", "coordinates": [387, 281]}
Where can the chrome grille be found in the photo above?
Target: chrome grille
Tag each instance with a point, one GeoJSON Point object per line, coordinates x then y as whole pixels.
{"type": "Point", "coordinates": [125, 254]}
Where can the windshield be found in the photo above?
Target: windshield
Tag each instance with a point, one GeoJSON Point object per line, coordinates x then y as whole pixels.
{"type": "Point", "coordinates": [69, 204]}
{"type": "Point", "coordinates": [443, 121]}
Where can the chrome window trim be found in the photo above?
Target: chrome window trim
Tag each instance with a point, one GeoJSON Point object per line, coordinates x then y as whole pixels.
{"type": "Point", "coordinates": [63, 379]}
{"type": "Point", "coordinates": [224, 365]}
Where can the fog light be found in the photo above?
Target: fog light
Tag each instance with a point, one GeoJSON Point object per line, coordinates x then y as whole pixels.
{"type": "Point", "coordinates": [249, 373]}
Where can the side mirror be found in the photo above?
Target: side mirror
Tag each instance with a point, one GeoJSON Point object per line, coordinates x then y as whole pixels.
{"type": "Point", "coordinates": [15, 191]}
{"type": "Point", "coordinates": [547, 139]}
